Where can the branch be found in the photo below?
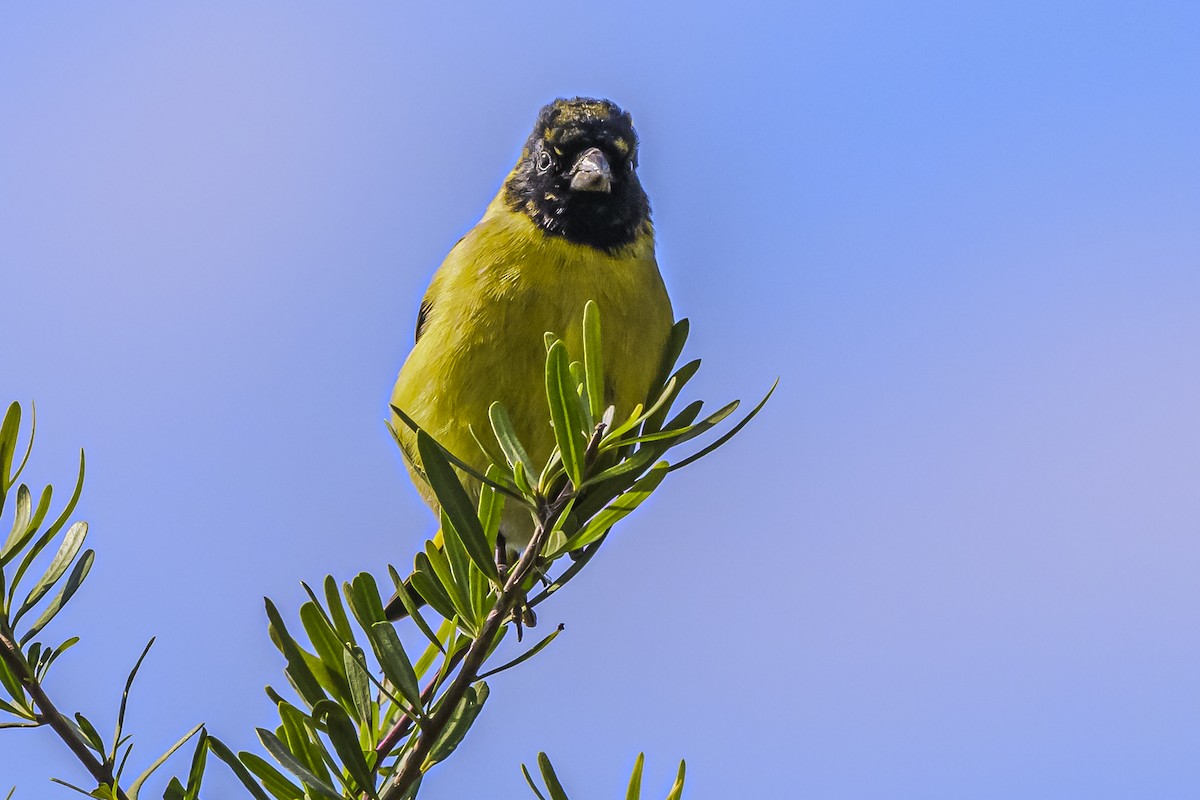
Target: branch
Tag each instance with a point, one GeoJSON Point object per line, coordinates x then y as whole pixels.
{"type": "Point", "coordinates": [50, 715]}
{"type": "Point", "coordinates": [410, 768]}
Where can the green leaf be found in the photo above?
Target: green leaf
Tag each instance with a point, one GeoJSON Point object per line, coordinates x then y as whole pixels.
{"type": "Point", "coordinates": [634, 792]}
{"type": "Point", "coordinates": [58, 565]}
{"type": "Point", "coordinates": [457, 505]}
{"type": "Point", "coordinates": [52, 531]}
{"type": "Point", "coordinates": [593, 359]}
{"type": "Point", "coordinates": [618, 509]}
{"type": "Point", "coordinates": [405, 597]}
{"type": "Point", "coordinates": [297, 670]}
{"type": "Point", "coordinates": [457, 726]}
{"type": "Point", "coordinates": [426, 660]}
{"type": "Point", "coordinates": [579, 384]}
{"type": "Point", "coordinates": [425, 582]}
{"type": "Point", "coordinates": [344, 737]}
{"type": "Point", "coordinates": [552, 783]}
{"type": "Point", "coordinates": [457, 594]}
{"type": "Point", "coordinates": [299, 735]}
{"type": "Point", "coordinates": [337, 612]}
{"type": "Point", "coordinates": [363, 595]}
{"type": "Point", "coordinates": [136, 786]}
{"type": "Point", "coordinates": [89, 733]}
{"type": "Point", "coordinates": [125, 699]}
{"type": "Point", "coordinates": [677, 789]}
{"type": "Point", "coordinates": [395, 662]}
{"type": "Point", "coordinates": [506, 436]}
{"type": "Point", "coordinates": [239, 770]}
{"type": "Point", "coordinates": [288, 761]}
{"type": "Point", "coordinates": [681, 435]}
{"type": "Point", "coordinates": [11, 684]}
{"type": "Point", "coordinates": [455, 460]}
{"type": "Point", "coordinates": [460, 566]}
{"type": "Point", "coordinates": [21, 529]}
{"type": "Point", "coordinates": [732, 432]}
{"type": "Point", "coordinates": [58, 651]}
{"type": "Point", "coordinates": [529, 780]}
{"type": "Point", "coordinates": [78, 574]}
{"type": "Point", "coordinates": [566, 412]}
{"type": "Point", "coordinates": [528, 654]}
{"type": "Point", "coordinates": [354, 665]}
{"type": "Point", "coordinates": [275, 781]}
{"type": "Point", "coordinates": [174, 791]}
{"type": "Point", "coordinates": [99, 791]}
{"type": "Point", "coordinates": [8, 444]}
{"type": "Point", "coordinates": [328, 667]}
{"type": "Point", "coordinates": [654, 421]}
{"type": "Point", "coordinates": [196, 771]}
{"type": "Point", "coordinates": [491, 510]}
{"type": "Point", "coordinates": [674, 348]}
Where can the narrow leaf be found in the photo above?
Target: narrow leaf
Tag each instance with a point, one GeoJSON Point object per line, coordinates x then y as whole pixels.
{"type": "Point", "coordinates": [344, 737]}
{"type": "Point", "coordinates": [593, 359]}
{"type": "Point", "coordinates": [296, 669]}
{"type": "Point", "coordinates": [288, 761]}
{"type": "Point", "coordinates": [78, 574]}
{"type": "Point", "coordinates": [125, 698]}
{"type": "Point", "coordinates": [455, 460]}
{"type": "Point", "coordinates": [196, 771]}
{"type": "Point", "coordinates": [457, 505]}
{"type": "Point", "coordinates": [619, 508]}
{"type": "Point", "coordinates": [395, 662]}
{"type": "Point", "coordinates": [565, 411]}
{"type": "Point", "coordinates": [677, 789]}
{"type": "Point", "coordinates": [404, 595]}
{"type": "Point", "coordinates": [20, 529]}
{"type": "Point", "coordinates": [136, 786]}
{"type": "Point", "coordinates": [533, 786]}
{"type": "Point", "coordinates": [459, 723]}
{"type": "Point", "coordinates": [732, 432]}
{"type": "Point", "coordinates": [425, 582]}
{"type": "Point", "coordinates": [337, 612]}
{"type": "Point", "coordinates": [674, 348]}
{"type": "Point", "coordinates": [360, 684]}
{"type": "Point", "coordinates": [634, 792]}
{"type": "Point", "coordinates": [552, 783]}
{"type": "Point", "coordinates": [275, 781]}
{"type": "Point", "coordinates": [528, 654]}
{"type": "Point", "coordinates": [8, 444]}
{"type": "Point", "coordinates": [58, 565]}
{"type": "Point", "coordinates": [89, 733]}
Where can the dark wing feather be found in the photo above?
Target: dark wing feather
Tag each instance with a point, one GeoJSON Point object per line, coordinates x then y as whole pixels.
{"type": "Point", "coordinates": [422, 318]}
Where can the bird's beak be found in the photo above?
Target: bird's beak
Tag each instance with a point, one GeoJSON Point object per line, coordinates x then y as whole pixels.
{"type": "Point", "coordinates": [591, 172]}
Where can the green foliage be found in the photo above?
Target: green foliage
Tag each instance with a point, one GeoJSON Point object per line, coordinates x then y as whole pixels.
{"type": "Point", "coordinates": [554, 787]}
{"type": "Point", "coordinates": [364, 718]}
{"type": "Point", "coordinates": [25, 661]}
{"type": "Point", "coordinates": [353, 734]}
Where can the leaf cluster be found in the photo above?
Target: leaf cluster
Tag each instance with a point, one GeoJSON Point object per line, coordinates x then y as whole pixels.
{"type": "Point", "coordinates": [369, 716]}
{"type": "Point", "coordinates": [42, 566]}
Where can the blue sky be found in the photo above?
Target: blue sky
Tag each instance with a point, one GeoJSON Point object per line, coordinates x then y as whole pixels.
{"type": "Point", "coordinates": [955, 557]}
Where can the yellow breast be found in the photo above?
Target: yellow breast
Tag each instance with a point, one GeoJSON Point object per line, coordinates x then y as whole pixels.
{"type": "Point", "coordinates": [490, 303]}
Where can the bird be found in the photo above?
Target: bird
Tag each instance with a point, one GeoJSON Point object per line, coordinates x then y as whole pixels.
{"type": "Point", "coordinates": [570, 223]}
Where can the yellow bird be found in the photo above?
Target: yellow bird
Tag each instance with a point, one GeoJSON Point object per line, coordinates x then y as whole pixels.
{"type": "Point", "coordinates": [570, 224]}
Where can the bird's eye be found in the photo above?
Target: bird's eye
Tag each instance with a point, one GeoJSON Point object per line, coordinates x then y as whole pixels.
{"type": "Point", "coordinates": [631, 166]}
{"type": "Point", "coordinates": [544, 161]}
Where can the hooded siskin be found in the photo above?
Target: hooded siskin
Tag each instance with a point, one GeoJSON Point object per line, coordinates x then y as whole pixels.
{"type": "Point", "coordinates": [570, 224]}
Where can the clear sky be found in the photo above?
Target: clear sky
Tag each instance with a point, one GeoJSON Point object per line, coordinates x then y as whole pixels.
{"type": "Point", "coordinates": [957, 555]}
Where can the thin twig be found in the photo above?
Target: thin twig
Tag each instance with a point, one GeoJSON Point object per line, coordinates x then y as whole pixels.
{"type": "Point", "coordinates": [48, 714]}
{"type": "Point", "coordinates": [410, 768]}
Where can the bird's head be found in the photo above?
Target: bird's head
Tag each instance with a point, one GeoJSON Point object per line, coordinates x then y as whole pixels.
{"type": "Point", "coordinates": [577, 176]}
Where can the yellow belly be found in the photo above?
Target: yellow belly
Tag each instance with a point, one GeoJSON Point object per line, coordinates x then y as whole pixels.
{"type": "Point", "coordinates": [490, 303]}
